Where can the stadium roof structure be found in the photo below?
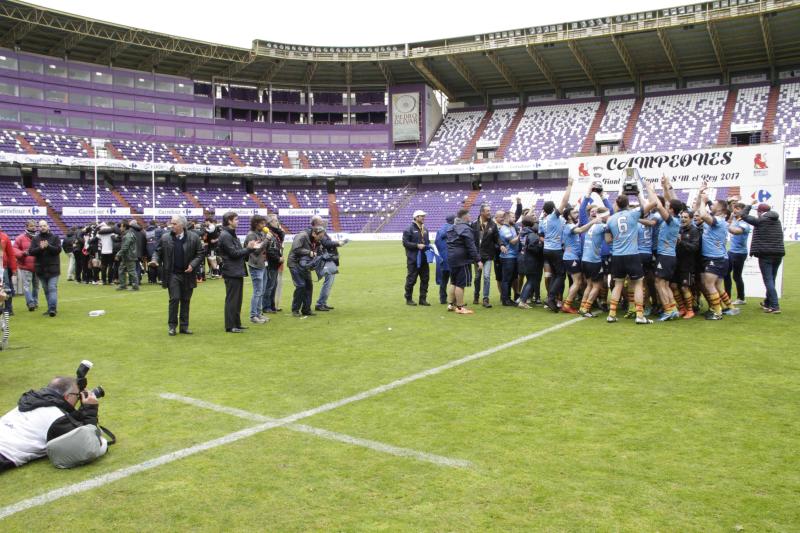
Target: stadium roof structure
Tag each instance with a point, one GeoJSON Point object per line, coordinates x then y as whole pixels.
{"type": "Point", "coordinates": [706, 39]}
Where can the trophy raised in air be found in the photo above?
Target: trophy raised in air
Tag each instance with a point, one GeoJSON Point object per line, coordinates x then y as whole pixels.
{"type": "Point", "coordinates": [631, 181]}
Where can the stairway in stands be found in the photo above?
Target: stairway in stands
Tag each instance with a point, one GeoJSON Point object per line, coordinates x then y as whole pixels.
{"type": "Point", "coordinates": [115, 153]}
{"type": "Point", "coordinates": [25, 144]}
{"type": "Point", "coordinates": [367, 163]}
{"type": "Point", "coordinates": [124, 203]}
{"type": "Point", "coordinates": [469, 150]}
{"type": "Point", "coordinates": [235, 158]}
{"type": "Point", "coordinates": [285, 162]}
{"type": "Point", "coordinates": [293, 201]}
{"type": "Point", "coordinates": [304, 160]}
{"type": "Point", "coordinates": [769, 120]}
{"type": "Point", "coordinates": [258, 201]}
{"type": "Point", "coordinates": [508, 136]}
{"type": "Point", "coordinates": [178, 157]}
{"type": "Point", "coordinates": [195, 202]}
{"type": "Point", "coordinates": [470, 200]}
{"type": "Point", "coordinates": [41, 202]}
{"type": "Point", "coordinates": [630, 128]}
{"type": "Point", "coordinates": [88, 147]}
{"type": "Point", "coordinates": [588, 143]}
{"type": "Point", "coordinates": [333, 209]}
{"type": "Point", "coordinates": [724, 136]}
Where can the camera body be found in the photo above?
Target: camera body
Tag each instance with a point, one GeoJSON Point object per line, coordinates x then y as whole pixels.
{"type": "Point", "coordinates": [597, 186]}
{"type": "Point", "coordinates": [80, 374]}
{"type": "Point", "coordinates": [630, 182]}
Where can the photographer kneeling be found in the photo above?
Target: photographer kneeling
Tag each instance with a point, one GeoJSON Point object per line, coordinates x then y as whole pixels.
{"type": "Point", "coordinates": [44, 415]}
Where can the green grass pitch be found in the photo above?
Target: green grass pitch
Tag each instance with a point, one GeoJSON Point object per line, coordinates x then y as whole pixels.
{"type": "Point", "coordinates": [686, 426]}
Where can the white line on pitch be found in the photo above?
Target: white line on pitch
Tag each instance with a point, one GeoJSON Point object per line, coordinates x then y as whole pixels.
{"type": "Point", "coordinates": [116, 475]}
{"type": "Point", "coordinates": [325, 434]}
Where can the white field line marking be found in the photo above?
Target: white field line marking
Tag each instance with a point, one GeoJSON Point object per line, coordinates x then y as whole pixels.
{"type": "Point", "coordinates": [325, 434]}
{"type": "Point", "coordinates": [116, 475]}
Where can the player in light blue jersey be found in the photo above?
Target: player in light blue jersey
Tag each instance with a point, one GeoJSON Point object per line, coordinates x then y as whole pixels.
{"type": "Point", "coordinates": [666, 256]}
{"type": "Point", "coordinates": [551, 229]}
{"type": "Point", "coordinates": [714, 256]}
{"type": "Point", "coordinates": [622, 233]}
{"type": "Point", "coordinates": [572, 255]}
{"type": "Point", "coordinates": [592, 262]}
{"type": "Point", "coordinates": [737, 252]}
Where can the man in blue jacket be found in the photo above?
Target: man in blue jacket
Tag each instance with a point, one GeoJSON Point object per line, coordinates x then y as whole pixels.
{"type": "Point", "coordinates": [442, 267]}
{"type": "Point", "coordinates": [461, 255]}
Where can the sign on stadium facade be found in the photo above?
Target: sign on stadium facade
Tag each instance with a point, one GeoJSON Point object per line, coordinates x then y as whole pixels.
{"type": "Point", "coordinates": [92, 211]}
{"type": "Point", "coordinates": [405, 117]}
{"type": "Point", "coordinates": [22, 211]}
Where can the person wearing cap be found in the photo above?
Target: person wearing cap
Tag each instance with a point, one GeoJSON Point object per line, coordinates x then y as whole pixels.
{"type": "Point", "coordinates": [767, 246]}
{"type": "Point", "coordinates": [416, 241]}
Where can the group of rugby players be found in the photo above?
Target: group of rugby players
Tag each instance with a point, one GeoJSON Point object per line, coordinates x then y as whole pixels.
{"type": "Point", "coordinates": [657, 255]}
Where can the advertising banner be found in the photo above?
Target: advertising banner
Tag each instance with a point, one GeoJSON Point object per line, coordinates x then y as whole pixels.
{"type": "Point", "coordinates": [310, 212]}
{"type": "Point", "coordinates": [22, 211]}
{"type": "Point", "coordinates": [99, 211]}
{"type": "Point", "coordinates": [241, 211]}
{"type": "Point", "coordinates": [172, 211]}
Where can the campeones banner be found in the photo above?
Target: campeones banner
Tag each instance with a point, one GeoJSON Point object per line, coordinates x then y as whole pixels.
{"type": "Point", "coordinates": [754, 173]}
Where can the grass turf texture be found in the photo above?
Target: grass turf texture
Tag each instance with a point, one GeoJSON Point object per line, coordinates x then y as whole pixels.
{"type": "Point", "coordinates": [680, 426]}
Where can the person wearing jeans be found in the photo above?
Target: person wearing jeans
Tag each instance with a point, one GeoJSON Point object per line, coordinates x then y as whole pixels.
{"type": "Point", "coordinates": [509, 250]}
{"type": "Point", "coordinates": [257, 263]}
{"type": "Point", "coordinates": [274, 263]}
{"type": "Point", "coordinates": [27, 265]}
{"type": "Point", "coordinates": [767, 245]}
{"type": "Point", "coordinates": [45, 247]}
{"type": "Point", "coordinates": [486, 239]}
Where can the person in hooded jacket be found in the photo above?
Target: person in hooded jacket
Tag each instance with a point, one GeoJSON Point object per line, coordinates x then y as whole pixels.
{"type": "Point", "coordinates": [462, 253]}
{"type": "Point", "coordinates": [41, 416]}
{"type": "Point", "coordinates": [442, 268]}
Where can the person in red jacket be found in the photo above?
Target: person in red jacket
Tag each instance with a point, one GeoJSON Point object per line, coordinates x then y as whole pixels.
{"type": "Point", "coordinates": [9, 271]}
{"type": "Point", "coordinates": [27, 265]}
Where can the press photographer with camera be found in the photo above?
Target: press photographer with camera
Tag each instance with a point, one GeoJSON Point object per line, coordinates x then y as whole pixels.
{"type": "Point", "coordinates": [47, 422]}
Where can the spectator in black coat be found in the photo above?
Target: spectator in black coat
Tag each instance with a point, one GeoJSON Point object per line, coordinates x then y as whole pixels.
{"type": "Point", "coordinates": [767, 246]}
{"type": "Point", "coordinates": [416, 241]}
{"type": "Point", "coordinates": [461, 255]}
{"type": "Point", "coordinates": [46, 248]}
{"type": "Point", "coordinates": [234, 270]}
{"type": "Point", "coordinates": [180, 253]}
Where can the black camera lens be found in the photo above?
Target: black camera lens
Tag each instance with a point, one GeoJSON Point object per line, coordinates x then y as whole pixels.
{"type": "Point", "coordinates": [98, 392]}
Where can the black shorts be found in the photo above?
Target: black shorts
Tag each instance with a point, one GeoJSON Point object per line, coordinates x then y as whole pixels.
{"type": "Point", "coordinates": [626, 266]}
{"type": "Point", "coordinates": [684, 272]}
{"type": "Point", "coordinates": [555, 258]}
{"type": "Point", "coordinates": [665, 266]}
{"type": "Point", "coordinates": [461, 276]}
{"type": "Point", "coordinates": [715, 265]}
{"type": "Point", "coordinates": [572, 266]}
{"type": "Point", "coordinates": [648, 265]}
{"type": "Point", "coordinates": [593, 271]}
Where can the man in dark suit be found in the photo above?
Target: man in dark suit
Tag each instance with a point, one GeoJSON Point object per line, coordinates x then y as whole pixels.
{"type": "Point", "coordinates": [180, 254]}
{"type": "Point", "coordinates": [234, 270]}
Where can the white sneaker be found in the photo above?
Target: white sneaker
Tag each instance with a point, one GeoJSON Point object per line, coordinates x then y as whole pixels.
{"type": "Point", "coordinates": [258, 320]}
{"type": "Point", "coordinates": [738, 302]}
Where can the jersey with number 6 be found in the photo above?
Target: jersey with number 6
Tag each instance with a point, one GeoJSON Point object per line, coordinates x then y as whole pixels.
{"type": "Point", "coordinates": [624, 228]}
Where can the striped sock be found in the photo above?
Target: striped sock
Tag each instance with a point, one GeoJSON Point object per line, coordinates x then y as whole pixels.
{"type": "Point", "coordinates": [7, 326]}
{"type": "Point", "coordinates": [585, 306]}
{"type": "Point", "coordinates": [676, 293]}
{"type": "Point", "coordinates": [714, 302]}
{"type": "Point", "coordinates": [612, 310]}
{"type": "Point", "coordinates": [726, 300]}
{"type": "Point", "coordinates": [688, 298]}
{"type": "Point", "coordinates": [670, 307]}
{"type": "Point", "coordinates": [639, 311]}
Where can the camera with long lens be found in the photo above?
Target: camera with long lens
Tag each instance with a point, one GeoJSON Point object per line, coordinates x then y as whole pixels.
{"type": "Point", "coordinates": [630, 183]}
{"type": "Point", "coordinates": [83, 369]}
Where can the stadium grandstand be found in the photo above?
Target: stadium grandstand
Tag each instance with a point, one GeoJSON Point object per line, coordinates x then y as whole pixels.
{"type": "Point", "coordinates": [372, 133]}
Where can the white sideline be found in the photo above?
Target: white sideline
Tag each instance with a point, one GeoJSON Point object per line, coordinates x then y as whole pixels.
{"type": "Point", "coordinates": [122, 473]}
{"type": "Point", "coordinates": [325, 434]}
